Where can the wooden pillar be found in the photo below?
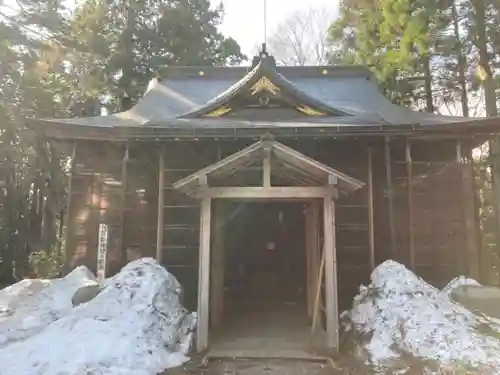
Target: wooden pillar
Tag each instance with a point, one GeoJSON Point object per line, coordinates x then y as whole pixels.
{"type": "Point", "coordinates": [69, 220]}
{"type": "Point", "coordinates": [160, 230]}
{"type": "Point", "coordinates": [204, 275]}
{"type": "Point", "coordinates": [123, 198]}
{"type": "Point", "coordinates": [371, 229]}
{"type": "Point", "coordinates": [309, 274]}
{"type": "Point", "coordinates": [411, 231]}
{"type": "Point", "coordinates": [476, 215]}
{"type": "Point", "coordinates": [312, 249]}
{"type": "Point", "coordinates": [470, 215]}
{"type": "Point", "coordinates": [390, 194]}
{"type": "Point", "coordinates": [331, 290]}
{"type": "Point", "coordinates": [217, 268]}
{"type": "Point", "coordinates": [266, 167]}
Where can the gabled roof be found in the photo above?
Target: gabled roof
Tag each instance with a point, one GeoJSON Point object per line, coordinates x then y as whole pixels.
{"type": "Point", "coordinates": [303, 169]}
{"type": "Point", "coordinates": [263, 81]}
{"type": "Point", "coordinates": [335, 99]}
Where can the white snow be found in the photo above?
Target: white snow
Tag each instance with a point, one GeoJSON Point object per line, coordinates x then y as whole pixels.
{"type": "Point", "coordinates": [31, 305]}
{"type": "Point", "coordinates": [135, 326]}
{"type": "Point", "coordinates": [399, 314]}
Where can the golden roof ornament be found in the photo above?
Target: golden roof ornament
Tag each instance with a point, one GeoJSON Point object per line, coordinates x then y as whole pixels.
{"type": "Point", "coordinates": [264, 84]}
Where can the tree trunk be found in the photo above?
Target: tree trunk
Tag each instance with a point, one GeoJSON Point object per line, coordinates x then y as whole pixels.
{"type": "Point", "coordinates": [127, 57]}
{"type": "Point", "coordinates": [428, 84]}
{"type": "Point", "coordinates": [461, 62]}
{"type": "Point", "coordinates": [481, 43]}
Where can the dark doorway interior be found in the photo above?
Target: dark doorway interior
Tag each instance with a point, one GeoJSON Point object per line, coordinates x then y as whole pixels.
{"type": "Point", "coordinates": [266, 258]}
{"type": "Point", "coordinates": [265, 308]}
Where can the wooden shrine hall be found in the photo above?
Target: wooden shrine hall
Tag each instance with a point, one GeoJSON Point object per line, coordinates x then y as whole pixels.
{"type": "Point", "coordinates": [271, 193]}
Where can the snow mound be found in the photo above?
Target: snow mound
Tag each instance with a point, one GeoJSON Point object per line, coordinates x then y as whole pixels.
{"type": "Point", "coordinates": [29, 306]}
{"type": "Point", "coordinates": [135, 326]}
{"type": "Point", "coordinates": [399, 315]}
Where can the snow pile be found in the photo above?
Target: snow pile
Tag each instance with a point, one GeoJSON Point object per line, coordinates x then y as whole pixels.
{"type": "Point", "coordinates": [29, 306]}
{"type": "Point", "coordinates": [135, 326]}
{"type": "Point", "coordinates": [399, 315]}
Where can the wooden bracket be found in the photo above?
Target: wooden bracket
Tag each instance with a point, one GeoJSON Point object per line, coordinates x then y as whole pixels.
{"type": "Point", "coordinates": [332, 180]}
{"type": "Point", "coordinates": [203, 180]}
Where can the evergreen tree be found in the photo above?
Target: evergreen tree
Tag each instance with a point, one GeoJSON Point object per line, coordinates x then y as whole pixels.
{"type": "Point", "coordinates": [56, 63]}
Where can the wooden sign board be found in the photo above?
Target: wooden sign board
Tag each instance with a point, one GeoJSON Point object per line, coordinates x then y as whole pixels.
{"type": "Point", "coordinates": [102, 250]}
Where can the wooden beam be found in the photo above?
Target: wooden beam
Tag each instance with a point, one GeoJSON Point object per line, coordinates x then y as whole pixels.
{"type": "Point", "coordinates": [160, 230]}
{"type": "Point", "coordinates": [312, 249]}
{"type": "Point", "coordinates": [69, 220]}
{"type": "Point", "coordinates": [309, 273]}
{"type": "Point", "coordinates": [256, 193]}
{"type": "Point", "coordinates": [266, 167]}
{"type": "Point", "coordinates": [371, 226]}
{"type": "Point", "coordinates": [233, 161]}
{"type": "Point", "coordinates": [204, 275]}
{"type": "Point", "coordinates": [390, 193]}
{"type": "Point", "coordinates": [470, 214]}
{"type": "Point", "coordinates": [292, 156]}
{"type": "Point", "coordinates": [123, 198]}
{"type": "Point", "coordinates": [217, 268]}
{"type": "Point", "coordinates": [411, 231]}
{"type": "Point", "coordinates": [316, 241]}
{"type": "Point", "coordinates": [476, 214]}
{"type": "Point", "coordinates": [331, 290]}
{"type": "Point", "coordinates": [311, 167]}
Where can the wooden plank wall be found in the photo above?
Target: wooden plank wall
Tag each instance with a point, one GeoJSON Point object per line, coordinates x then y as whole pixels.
{"type": "Point", "coordinates": [95, 198]}
{"type": "Point", "coordinates": [139, 223]}
{"type": "Point", "coordinates": [429, 209]}
{"type": "Point", "coordinates": [437, 219]}
{"type": "Point", "coordinates": [351, 213]}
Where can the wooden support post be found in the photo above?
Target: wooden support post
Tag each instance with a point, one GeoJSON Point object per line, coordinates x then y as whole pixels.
{"type": "Point", "coordinates": [315, 239]}
{"type": "Point", "coordinates": [371, 229]}
{"type": "Point", "coordinates": [69, 220]}
{"type": "Point", "coordinates": [390, 194]}
{"type": "Point", "coordinates": [217, 268]}
{"type": "Point", "coordinates": [266, 167]}
{"type": "Point", "coordinates": [160, 230]}
{"type": "Point", "coordinates": [476, 217]}
{"type": "Point", "coordinates": [309, 272]}
{"type": "Point", "coordinates": [313, 226]}
{"type": "Point", "coordinates": [494, 156]}
{"type": "Point", "coordinates": [312, 249]}
{"type": "Point", "coordinates": [331, 290]}
{"type": "Point", "coordinates": [468, 201]}
{"type": "Point", "coordinates": [204, 275]}
{"type": "Point", "coordinates": [123, 203]}
{"type": "Point", "coordinates": [411, 232]}
{"type": "Point", "coordinates": [317, 292]}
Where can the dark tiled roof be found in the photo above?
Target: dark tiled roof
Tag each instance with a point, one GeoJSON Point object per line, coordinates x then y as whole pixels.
{"type": "Point", "coordinates": [352, 90]}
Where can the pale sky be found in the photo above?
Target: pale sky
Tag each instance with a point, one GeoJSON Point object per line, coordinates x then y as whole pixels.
{"type": "Point", "coordinates": [244, 20]}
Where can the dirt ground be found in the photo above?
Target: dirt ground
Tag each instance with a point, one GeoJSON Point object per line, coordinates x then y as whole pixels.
{"type": "Point", "coordinates": [256, 367]}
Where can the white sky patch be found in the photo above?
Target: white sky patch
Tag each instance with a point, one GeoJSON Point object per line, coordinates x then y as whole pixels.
{"type": "Point", "coordinates": [244, 20]}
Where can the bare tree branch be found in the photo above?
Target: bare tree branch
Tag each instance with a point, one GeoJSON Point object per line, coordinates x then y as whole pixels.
{"type": "Point", "coordinates": [302, 38]}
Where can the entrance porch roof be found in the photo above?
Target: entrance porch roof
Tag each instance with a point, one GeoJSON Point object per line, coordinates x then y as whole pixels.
{"type": "Point", "coordinates": [285, 161]}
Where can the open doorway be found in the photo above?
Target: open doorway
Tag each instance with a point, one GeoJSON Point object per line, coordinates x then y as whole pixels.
{"type": "Point", "coordinates": [265, 259]}
{"type": "Point", "coordinates": [265, 301]}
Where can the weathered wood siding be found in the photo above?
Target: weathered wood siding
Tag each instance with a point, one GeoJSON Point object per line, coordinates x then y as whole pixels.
{"type": "Point", "coordinates": [437, 216]}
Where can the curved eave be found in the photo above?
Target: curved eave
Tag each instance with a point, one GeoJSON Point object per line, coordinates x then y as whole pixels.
{"type": "Point", "coordinates": [203, 128]}
{"type": "Point", "coordinates": [264, 69]}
